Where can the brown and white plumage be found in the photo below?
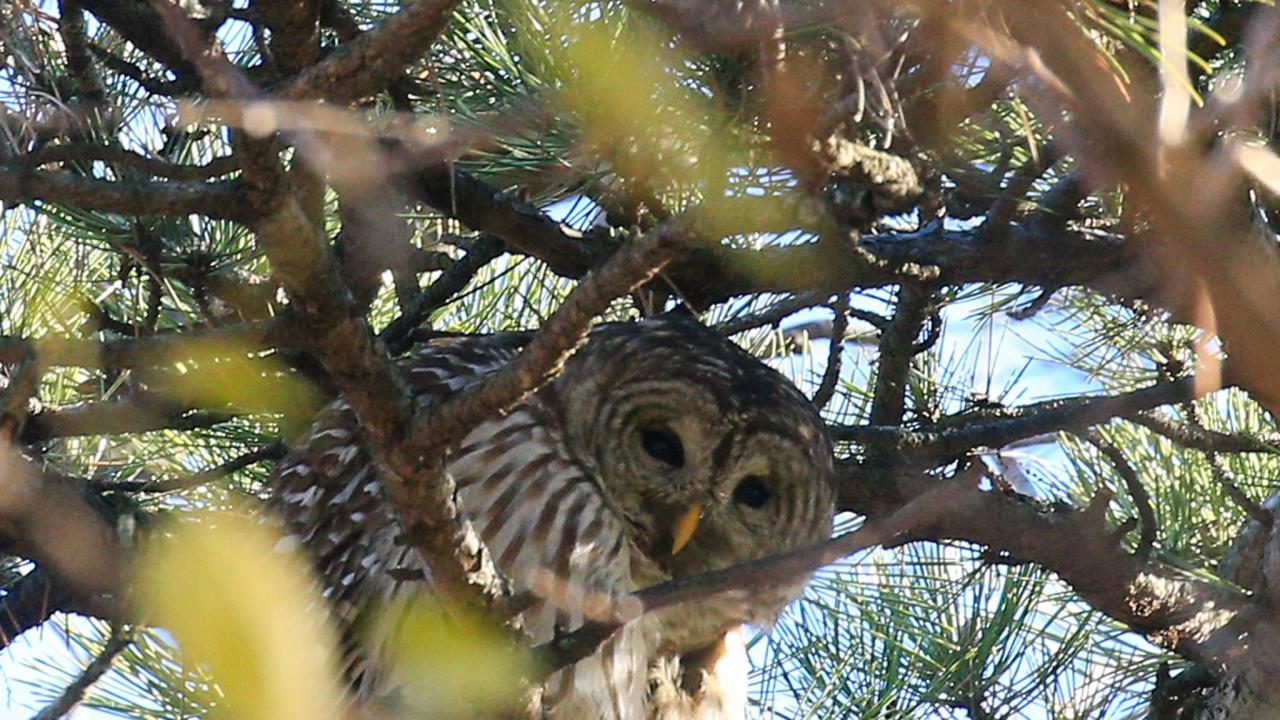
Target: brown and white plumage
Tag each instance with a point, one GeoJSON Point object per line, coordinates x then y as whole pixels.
{"type": "Point", "coordinates": [577, 494]}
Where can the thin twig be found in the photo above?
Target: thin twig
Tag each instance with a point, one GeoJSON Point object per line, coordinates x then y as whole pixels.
{"type": "Point", "coordinates": [957, 434]}
{"type": "Point", "coordinates": [88, 152]}
{"type": "Point", "coordinates": [274, 451]}
{"type": "Point", "coordinates": [140, 413]}
{"type": "Point", "coordinates": [1148, 528]}
{"type": "Point", "coordinates": [771, 315]}
{"type": "Point", "coordinates": [1222, 475]}
{"type": "Point", "coordinates": [1003, 209]}
{"type": "Point", "coordinates": [73, 694]}
{"type": "Point", "coordinates": [483, 251]}
{"type": "Point", "coordinates": [835, 353]}
{"type": "Point", "coordinates": [1198, 437]}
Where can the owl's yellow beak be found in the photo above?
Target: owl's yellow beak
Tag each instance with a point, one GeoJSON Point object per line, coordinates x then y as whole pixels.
{"type": "Point", "coordinates": [685, 527]}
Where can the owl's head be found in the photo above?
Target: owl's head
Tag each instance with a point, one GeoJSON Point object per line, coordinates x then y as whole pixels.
{"type": "Point", "coordinates": [711, 457]}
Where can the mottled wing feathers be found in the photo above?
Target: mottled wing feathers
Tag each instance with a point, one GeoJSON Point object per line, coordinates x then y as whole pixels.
{"type": "Point", "coordinates": [541, 517]}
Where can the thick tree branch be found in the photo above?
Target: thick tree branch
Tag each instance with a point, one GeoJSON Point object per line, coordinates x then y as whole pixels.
{"type": "Point", "coordinates": [372, 60]}
{"type": "Point", "coordinates": [178, 197]}
{"type": "Point", "coordinates": [1198, 618]}
{"type": "Point", "coordinates": [523, 227]}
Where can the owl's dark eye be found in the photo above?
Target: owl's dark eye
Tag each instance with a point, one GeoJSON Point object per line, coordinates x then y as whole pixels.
{"type": "Point", "coordinates": [663, 445]}
{"type": "Point", "coordinates": [752, 491]}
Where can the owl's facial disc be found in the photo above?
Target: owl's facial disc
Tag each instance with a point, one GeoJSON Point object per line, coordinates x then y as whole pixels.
{"type": "Point", "coordinates": [667, 475]}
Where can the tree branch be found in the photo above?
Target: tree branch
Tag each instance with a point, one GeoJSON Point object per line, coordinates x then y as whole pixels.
{"type": "Point", "coordinates": [897, 348]}
{"type": "Point", "coordinates": [274, 451]}
{"type": "Point", "coordinates": [142, 413]}
{"type": "Point", "coordinates": [152, 350]}
{"type": "Point", "coordinates": [28, 602]}
{"type": "Point", "coordinates": [74, 693]}
{"type": "Point", "coordinates": [957, 434]}
{"type": "Point", "coordinates": [178, 197]}
{"type": "Point", "coordinates": [523, 227]}
{"type": "Point", "coordinates": [483, 251]}
{"type": "Point", "coordinates": [88, 152]}
{"type": "Point", "coordinates": [371, 61]}
{"type": "Point", "coordinates": [1195, 437]}
{"type": "Point", "coordinates": [738, 582]}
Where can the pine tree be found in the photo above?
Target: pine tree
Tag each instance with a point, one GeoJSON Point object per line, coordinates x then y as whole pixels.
{"type": "Point", "coordinates": [1017, 253]}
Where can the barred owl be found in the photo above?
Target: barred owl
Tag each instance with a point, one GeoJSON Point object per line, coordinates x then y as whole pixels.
{"type": "Point", "coordinates": [660, 451]}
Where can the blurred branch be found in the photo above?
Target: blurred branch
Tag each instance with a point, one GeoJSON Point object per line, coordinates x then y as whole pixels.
{"type": "Point", "coordinates": [153, 350]}
{"type": "Point", "coordinates": [24, 381]}
{"type": "Point", "coordinates": [66, 530]}
{"type": "Point", "coordinates": [140, 413]}
{"type": "Point", "coordinates": [730, 27]}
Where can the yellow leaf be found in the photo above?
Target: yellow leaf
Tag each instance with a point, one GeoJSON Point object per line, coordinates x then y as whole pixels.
{"type": "Point", "coordinates": [246, 612]}
{"type": "Point", "coordinates": [221, 374]}
{"type": "Point", "coordinates": [448, 664]}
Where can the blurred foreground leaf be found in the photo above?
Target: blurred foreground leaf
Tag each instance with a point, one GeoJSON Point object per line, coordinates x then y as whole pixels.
{"type": "Point", "coordinates": [247, 613]}
{"type": "Point", "coordinates": [451, 664]}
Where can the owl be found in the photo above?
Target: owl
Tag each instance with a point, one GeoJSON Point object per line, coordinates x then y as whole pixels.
{"type": "Point", "coordinates": [660, 451]}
